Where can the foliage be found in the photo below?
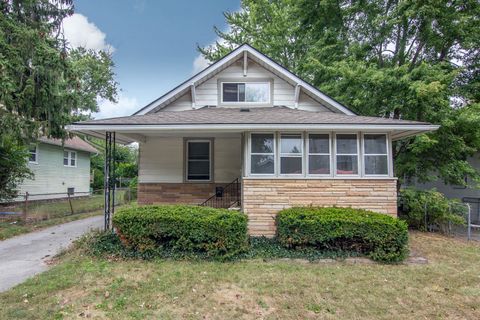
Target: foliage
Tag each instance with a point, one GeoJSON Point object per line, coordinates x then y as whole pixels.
{"type": "Point", "coordinates": [126, 158]}
{"type": "Point", "coordinates": [45, 84]}
{"type": "Point", "coordinates": [217, 232]}
{"type": "Point", "coordinates": [133, 188]}
{"type": "Point", "coordinates": [415, 60]}
{"type": "Point", "coordinates": [13, 159]}
{"type": "Point", "coordinates": [379, 236]}
{"type": "Point", "coordinates": [108, 244]}
{"type": "Point", "coordinates": [422, 209]}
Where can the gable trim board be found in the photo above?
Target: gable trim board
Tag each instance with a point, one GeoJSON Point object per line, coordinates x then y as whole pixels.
{"type": "Point", "coordinates": [230, 58]}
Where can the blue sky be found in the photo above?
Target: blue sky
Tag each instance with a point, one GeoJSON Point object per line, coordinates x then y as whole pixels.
{"type": "Point", "coordinates": [153, 42]}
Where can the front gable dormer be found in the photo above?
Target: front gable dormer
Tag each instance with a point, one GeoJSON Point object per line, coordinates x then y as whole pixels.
{"type": "Point", "coordinates": [245, 78]}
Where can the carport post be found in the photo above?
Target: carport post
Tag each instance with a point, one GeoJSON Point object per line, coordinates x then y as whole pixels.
{"type": "Point", "coordinates": [109, 179]}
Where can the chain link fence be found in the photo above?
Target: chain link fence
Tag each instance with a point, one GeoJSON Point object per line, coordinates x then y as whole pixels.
{"type": "Point", "coordinates": [32, 208]}
{"type": "Point", "coordinates": [461, 219]}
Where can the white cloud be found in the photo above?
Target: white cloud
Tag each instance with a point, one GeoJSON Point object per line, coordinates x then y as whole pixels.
{"type": "Point", "coordinates": [199, 64]}
{"type": "Point", "coordinates": [79, 32]}
{"type": "Point", "coordinates": [124, 107]}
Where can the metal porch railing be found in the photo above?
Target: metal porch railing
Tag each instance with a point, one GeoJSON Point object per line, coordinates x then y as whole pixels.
{"type": "Point", "coordinates": [225, 197]}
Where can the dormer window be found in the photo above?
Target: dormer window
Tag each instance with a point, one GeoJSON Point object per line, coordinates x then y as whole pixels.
{"type": "Point", "coordinates": [245, 92]}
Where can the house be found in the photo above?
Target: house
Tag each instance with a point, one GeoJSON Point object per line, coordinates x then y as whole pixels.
{"type": "Point", "coordinates": [58, 168]}
{"type": "Point", "coordinates": [470, 193]}
{"type": "Point", "coordinates": [247, 132]}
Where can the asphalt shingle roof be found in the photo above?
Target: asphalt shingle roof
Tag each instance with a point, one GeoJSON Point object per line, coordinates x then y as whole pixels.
{"type": "Point", "coordinates": [74, 143]}
{"type": "Point", "coordinates": [255, 115]}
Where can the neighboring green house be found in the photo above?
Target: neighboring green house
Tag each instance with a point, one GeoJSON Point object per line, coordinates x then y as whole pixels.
{"type": "Point", "coordinates": [59, 168]}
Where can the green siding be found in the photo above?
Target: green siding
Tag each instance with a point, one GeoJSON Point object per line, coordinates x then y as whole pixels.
{"type": "Point", "coordinates": [51, 176]}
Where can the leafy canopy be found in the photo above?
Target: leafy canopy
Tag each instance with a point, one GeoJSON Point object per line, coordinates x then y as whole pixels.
{"type": "Point", "coordinates": [408, 59]}
{"type": "Point", "coordinates": [45, 84]}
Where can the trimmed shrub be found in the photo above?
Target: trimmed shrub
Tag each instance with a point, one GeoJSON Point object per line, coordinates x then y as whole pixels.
{"type": "Point", "coordinates": [379, 236]}
{"type": "Point", "coordinates": [426, 209]}
{"type": "Point", "coordinates": [216, 232]}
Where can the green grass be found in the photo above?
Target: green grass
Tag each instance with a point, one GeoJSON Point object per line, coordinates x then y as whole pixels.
{"type": "Point", "coordinates": [107, 288]}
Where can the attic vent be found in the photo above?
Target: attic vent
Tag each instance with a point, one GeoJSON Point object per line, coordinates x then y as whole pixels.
{"type": "Point", "coordinates": [244, 110]}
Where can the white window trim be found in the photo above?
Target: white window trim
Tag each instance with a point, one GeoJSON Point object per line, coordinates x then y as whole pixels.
{"type": "Point", "coordinates": [250, 154]}
{"type": "Point", "coordinates": [70, 158]}
{"type": "Point", "coordinates": [210, 156]}
{"type": "Point", "coordinates": [308, 154]}
{"type": "Point", "coordinates": [36, 154]}
{"type": "Point", "coordinates": [359, 168]}
{"type": "Point", "coordinates": [387, 146]}
{"type": "Point", "coordinates": [305, 155]}
{"type": "Point", "coordinates": [222, 102]}
{"type": "Point", "coordinates": [290, 155]}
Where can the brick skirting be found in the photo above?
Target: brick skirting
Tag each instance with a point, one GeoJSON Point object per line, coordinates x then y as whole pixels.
{"type": "Point", "coordinates": [262, 199]}
{"type": "Point", "coordinates": [172, 193]}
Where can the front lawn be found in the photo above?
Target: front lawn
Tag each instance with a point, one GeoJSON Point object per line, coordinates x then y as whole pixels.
{"type": "Point", "coordinates": [80, 286]}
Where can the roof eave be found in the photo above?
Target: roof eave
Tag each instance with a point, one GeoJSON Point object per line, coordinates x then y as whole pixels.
{"type": "Point", "coordinates": [404, 130]}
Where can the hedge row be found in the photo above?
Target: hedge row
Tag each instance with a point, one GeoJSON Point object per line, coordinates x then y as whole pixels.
{"type": "Point", "coordinates": [223, 233]}
{"type": "Point", "coordinates": [379, 236]}
{"type": "Point", "coordinates": [217, 232]}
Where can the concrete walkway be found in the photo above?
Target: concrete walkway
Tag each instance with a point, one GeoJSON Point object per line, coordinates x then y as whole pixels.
{"type": "Point", "coordinates": [24, 256]}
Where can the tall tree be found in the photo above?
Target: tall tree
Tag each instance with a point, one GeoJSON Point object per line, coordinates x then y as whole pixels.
{"type": "Point", "coordinates": [45, 84]}
{"type": "Point", "coordinates": [408, 59]}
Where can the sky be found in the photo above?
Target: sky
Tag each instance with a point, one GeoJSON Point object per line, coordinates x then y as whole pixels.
{"type": "Point", "coordinates": [153, 43]}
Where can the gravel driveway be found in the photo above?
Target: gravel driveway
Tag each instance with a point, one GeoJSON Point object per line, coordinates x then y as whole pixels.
{"type": "Point", "coordinates": [24, 256]}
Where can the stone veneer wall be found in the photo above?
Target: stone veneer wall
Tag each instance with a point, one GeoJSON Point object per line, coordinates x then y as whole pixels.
{"type": "Point", "coordinates": [172, 193]}
{"type": "Point", "coordinates": [262, 199]}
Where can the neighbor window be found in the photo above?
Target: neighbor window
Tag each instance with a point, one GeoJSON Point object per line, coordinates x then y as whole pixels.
{"type": "Point", "coordinates": [375, 154]}
{"type": "Point", "coordinates": [291, 154]}
{"type": "Point", "coordinates": [69, 158]}
{"type": "Point", "coordinates": [198, 160]}
{"type": "Point", "coordinates": [262, 153]}
{"type": "Point", "coordinates": [318, 154]}
{"type": "Point", "coordinates": [258, 92]}
{"type": "Point", "coordinates": [33, 153]}
{"type": "Point", "coordinates": [346, 154]}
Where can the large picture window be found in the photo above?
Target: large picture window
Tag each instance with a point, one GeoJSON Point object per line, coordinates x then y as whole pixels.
{"type": "Point", "coordinates": [375, 156]}
{"type": "Point", "coordinates": [346, 154]}
{"type": "Point", "coordinates": [262, 153]}
{"type": "Point", "coordinates": [291, 152]}
{"type": "Point", "coordinates": [257, 92]}
{"type": "Point", "coordinates": [318, 154]}
{"type": "Point", "coordinates": [198, 160]}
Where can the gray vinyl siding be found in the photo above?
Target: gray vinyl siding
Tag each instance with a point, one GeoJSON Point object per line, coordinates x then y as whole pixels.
{"type": "Point", "coordinates": [51, 176]}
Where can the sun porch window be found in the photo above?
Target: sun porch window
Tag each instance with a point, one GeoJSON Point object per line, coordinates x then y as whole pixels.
{"type": "Point", "coordinates": [262, 153]}
{"type": "Point", "coordinates": [291, 152]}
{"type": "Point", "coordinates": [347, 154]}
{"type": "Point", "coordinates": [375, 154]}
